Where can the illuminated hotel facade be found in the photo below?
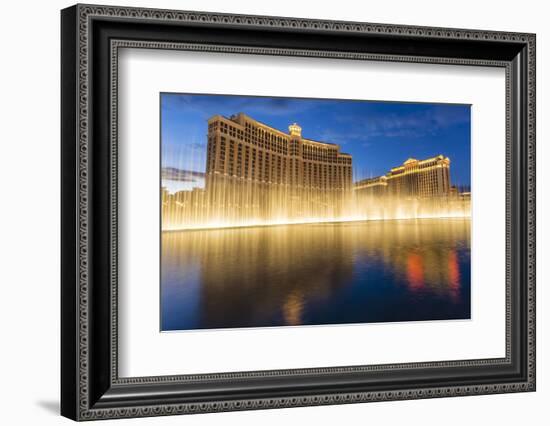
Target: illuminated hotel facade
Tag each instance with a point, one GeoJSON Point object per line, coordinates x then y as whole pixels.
{"type": "Point", "coordinates": [429, 178]}
{"type": "Point", "coordinates": [256, 171]}
{"type": "Point", "coordinates": [255, 175]}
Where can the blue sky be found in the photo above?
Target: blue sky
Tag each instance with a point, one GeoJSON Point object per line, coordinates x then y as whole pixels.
{"type": "Point", "coordinates": [379, 135]}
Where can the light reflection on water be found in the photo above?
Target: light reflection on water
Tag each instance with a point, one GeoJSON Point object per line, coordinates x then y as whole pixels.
{"type": "Point", "coordinates": [340, 273]}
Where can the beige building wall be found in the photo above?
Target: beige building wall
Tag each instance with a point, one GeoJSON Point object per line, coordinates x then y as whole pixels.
{"type": "Point", "coordinates": [254, 169]}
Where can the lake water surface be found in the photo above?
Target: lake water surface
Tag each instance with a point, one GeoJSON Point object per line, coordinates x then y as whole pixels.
{"type": "Point", "coordinates": [337, 273]}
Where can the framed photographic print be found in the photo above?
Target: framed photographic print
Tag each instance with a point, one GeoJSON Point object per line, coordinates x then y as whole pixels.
{"type": "Point", "coordinates": [263, 212]}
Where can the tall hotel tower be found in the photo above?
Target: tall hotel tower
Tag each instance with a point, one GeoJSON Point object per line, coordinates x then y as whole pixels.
{"type": "Point", "coordinates": [427, 178]}
{"type": "Point", "coordinates": [256, 172]}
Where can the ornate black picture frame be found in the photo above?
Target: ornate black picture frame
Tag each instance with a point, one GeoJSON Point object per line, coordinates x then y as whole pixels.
{"type": "Point", "coordinates": [90, 38]}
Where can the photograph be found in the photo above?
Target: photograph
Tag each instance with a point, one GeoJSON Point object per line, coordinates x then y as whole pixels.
{"type": "Point", "coordinates": [283, 211]}
{"type": "Point", "coordinates": [272, 208]}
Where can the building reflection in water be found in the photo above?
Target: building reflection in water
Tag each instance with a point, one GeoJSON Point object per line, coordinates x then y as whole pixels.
{"type": "Point", "coordinates": [415, 270]}
{"type": "Point", "coordinates": [379, 271]}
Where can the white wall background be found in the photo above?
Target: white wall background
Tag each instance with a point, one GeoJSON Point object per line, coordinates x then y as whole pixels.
{"type": "Point", "coordinates": [29, 225]}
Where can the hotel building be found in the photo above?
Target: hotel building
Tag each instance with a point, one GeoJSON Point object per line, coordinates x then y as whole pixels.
{"type": "Point", "coordinates": [427, 178]}
{"type": "Point", "coordinates": [254, 170]}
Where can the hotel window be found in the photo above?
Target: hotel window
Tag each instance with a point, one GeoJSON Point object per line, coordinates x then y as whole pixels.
{"type": "Point", "coordinates": [231, 156]}
{"type": "Point", "coordinates": [239, 160]}
{"type": "Point", "coordinates": [246, 161]}
{"type": "Point", "coordinates": [222, 153]}
{"type": "Point", "coordinates": [266, 167]}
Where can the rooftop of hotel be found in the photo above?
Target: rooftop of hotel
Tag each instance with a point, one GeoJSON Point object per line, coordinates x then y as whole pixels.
{"type": "Point", "coordinates": [241, 115]}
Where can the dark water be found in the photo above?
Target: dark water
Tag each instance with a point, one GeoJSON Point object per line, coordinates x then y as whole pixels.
{"type": "Point", "coordinates": [316, 274]}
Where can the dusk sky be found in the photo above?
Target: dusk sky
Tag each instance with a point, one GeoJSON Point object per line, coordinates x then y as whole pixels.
{"type": "Point", "coordinates": [379, 135]}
